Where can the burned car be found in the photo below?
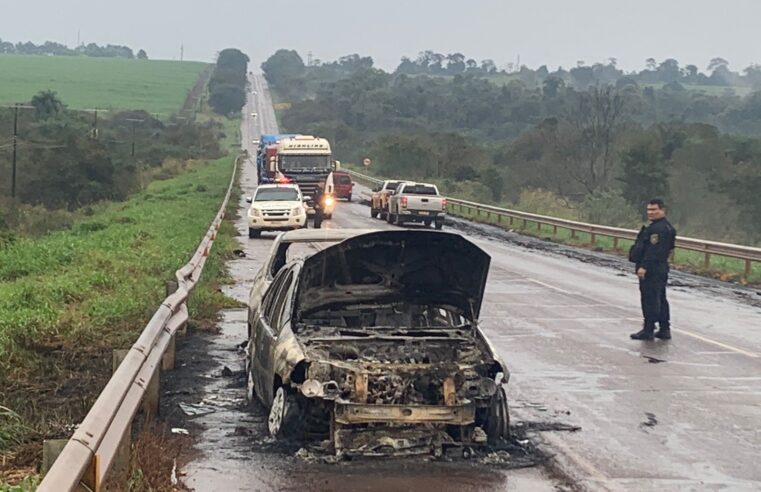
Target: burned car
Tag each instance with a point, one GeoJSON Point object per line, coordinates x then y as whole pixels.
{"type": "Point", "coordinates": [373, 343]}
{"type": "Point", "coordinates": [289, 246]}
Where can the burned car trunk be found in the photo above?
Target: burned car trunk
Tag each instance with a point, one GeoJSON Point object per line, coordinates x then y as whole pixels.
{"type": "Point", "coordinates": [382, 345]}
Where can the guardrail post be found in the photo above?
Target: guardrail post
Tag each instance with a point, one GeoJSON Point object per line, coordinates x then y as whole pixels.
{"type": "Point", "coordinates": [748, 270]}
{"type": "Point", "coordinates": [592, 237]}
{"type": "Point", "coordinates": [539, 226]}
{"type": "Point", "coordinates": [168, 361]}
{"type": "Point", "coordinates": [171, 287]}
{"type": "Point", "coordinates": [707, 260]}
{"type": "Point", "coordinates": [117, 358]}
{"type": "Point", "coordinates": [573, 233]}
{"type": "Point", "coordinates": [554, 230]}
{"type": "Point", "coordinates": [615, 244]}
{"type": "Point", "coordinates": [152, 396]}
{"type": "Point", "coordinates": [118, 475]}
{"type": "Point", "coordinates": [51, 448]}
{"type": "Point", "coordinates": [524, 224]}
{"type": "Point", "coordinates": [511, 221]}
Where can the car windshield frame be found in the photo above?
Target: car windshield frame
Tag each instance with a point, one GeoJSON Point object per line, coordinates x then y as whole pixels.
{"type": "Point", "coordinates": [270, 195]}
{"type": "Point", "coordinates": [312, 162]}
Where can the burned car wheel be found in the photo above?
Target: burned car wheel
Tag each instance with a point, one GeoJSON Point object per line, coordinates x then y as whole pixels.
{"type": "Point", "coordinates": [284, 418]}
{"type": "Point", "coordinates": [498, 419]}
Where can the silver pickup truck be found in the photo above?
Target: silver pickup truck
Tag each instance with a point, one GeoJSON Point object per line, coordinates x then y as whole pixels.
{"type": "Point", "coordinates": [417, 202]}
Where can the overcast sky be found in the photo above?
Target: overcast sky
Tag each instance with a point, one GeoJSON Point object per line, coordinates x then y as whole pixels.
{"type": "Point", "coordinates": [551, 32]}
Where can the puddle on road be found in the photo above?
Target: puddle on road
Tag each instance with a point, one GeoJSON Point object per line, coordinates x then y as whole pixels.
{"type": "Point", "coordinates": [236, 453]}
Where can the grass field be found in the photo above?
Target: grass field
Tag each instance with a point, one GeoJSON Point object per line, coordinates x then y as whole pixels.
{"type": "Point", "coordinates": [156, 86]}
{"type": "Point", "coordinates": [68, 298]}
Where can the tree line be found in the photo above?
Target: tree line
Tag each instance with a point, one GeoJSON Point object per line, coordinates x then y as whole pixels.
{"type": "Point", "coordinates": [227, 85]}
{"type": "Point", "coordinates": [668, 71]}
{"type": "Point", "coordinates": [58, 49]}
{"type": "Point", "coordinates": [69, 159]}
{"type": "Point", "coordinates": [596, 153]}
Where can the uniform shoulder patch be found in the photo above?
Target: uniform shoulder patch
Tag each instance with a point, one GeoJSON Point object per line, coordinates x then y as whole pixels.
{"type": "Point", "coordinates": [654, 238]}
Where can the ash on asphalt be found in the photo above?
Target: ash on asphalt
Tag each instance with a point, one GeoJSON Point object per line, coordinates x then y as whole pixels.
{"type": "Point", "coordinates": [233, 449]}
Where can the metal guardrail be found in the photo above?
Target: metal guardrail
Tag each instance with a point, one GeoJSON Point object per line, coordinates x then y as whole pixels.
{"type": "Point", "coordinates": [466, 209]}
{"type": "Point", "coordinates": [89, 455]}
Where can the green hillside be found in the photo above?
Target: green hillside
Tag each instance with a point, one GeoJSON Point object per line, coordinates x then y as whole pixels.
{"type": "Point", "coordinates": [156, 86]}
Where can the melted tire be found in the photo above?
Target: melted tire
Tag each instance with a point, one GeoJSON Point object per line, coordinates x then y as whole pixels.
{"type": "Point", "coordinates": [285, 419]}
{"type": "Point", "coordinates": [498, 418]}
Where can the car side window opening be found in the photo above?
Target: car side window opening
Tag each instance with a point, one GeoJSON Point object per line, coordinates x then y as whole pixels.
{"type": "Point", "coordinates": [270, 295]}
{"type": "Point", "coordinates": [280, 258]}
{"type": "Point", "coordinates": [277, 319]}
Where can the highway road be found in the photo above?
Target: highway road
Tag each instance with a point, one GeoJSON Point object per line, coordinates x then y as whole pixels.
{"type": "Point", "coordinates": [677, 415]}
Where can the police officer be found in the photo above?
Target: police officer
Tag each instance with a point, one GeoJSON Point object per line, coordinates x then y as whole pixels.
{"type": "Point", "coordinates": [319, 205]}
{"type": "Point", "coordinates": [651, 254]}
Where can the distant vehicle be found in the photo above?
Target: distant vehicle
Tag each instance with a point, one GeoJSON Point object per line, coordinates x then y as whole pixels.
{"type": "Point", "coordinates": [276, 207]}
{"type": "Point", "coordinates": [254, 92]}
{"type": "Point", "coordinates": [373, 344]}
{"type": "Point", "coordinates": [288, 246]}
{"type": "Point", "coordinates": [302, 159]}
{"type": "Point", "coordinates": [417, 202]}
{"type": "Point", "coordinates": [343, 185]}
{"type": "Point", "coordinates": [381, 194]}
{"type": "Point", "coordinates": [254, 115]}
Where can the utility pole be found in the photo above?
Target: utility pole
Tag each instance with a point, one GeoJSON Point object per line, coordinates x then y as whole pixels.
{"type": "Point", "coordinates": [182, 51]}
{"type": "Point", "coordinates": [16, 107]}
{"type": "Point", "coordinates": [134, 126]}
{"type": "Point", "coordinates": [95, 124]}
{"type": "Point", "coordinates": [15, 140]}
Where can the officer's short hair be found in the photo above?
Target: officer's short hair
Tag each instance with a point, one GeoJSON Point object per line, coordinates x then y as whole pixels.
{"type": "Point", "coordinates": [657, 201]}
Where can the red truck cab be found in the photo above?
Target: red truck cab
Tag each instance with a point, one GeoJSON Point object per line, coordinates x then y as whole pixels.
{"type": "Point", "coordinates": [342, 184]}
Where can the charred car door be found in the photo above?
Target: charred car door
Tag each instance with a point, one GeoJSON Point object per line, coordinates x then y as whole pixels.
{"type": "Point", "coordinates": [267, 330]}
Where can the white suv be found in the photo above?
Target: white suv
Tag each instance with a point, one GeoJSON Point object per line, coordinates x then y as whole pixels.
{"type": "Point", "coordinates": [276, 207]}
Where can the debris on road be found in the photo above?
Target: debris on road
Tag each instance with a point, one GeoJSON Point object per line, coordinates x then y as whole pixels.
{"type": "Point", "coordinates": [194, 410]}
{"type": "Point", "coordinates": [548, 427]}
{"type": "Point", "coordinates": [651, 420]}
{"type": "Point", "coordinates": [180, 430]}
{"type": "Point", "coordinates": [653, 360]}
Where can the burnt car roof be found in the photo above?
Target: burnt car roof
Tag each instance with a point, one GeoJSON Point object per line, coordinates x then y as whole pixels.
{"type": "Point", "coordinates": [392, 266]}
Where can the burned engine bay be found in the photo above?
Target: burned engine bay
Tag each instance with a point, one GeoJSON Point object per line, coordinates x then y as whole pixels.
{"type": "Point", "coordinates": [406, 354]}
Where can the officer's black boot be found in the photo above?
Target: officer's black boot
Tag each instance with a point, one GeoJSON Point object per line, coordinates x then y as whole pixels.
{"type": "Point", "coordinates": [646, 333]}
{"type": "Point", "coordinates": [664, 331]}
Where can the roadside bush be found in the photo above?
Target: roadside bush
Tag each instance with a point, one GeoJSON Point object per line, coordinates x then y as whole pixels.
{"type": "Point", "coordinates": [610, 208]}
{"type": "Point", "coordinates": [544, 202]}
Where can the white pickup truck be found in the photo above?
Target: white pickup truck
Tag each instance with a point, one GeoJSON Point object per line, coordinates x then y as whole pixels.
{"type": "Point", "coordinates": [417, 202]}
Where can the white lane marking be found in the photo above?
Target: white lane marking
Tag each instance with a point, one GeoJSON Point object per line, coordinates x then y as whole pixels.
{"type": "Point", "coordinates": [549, 286]}
{"type": "Point", "coordinates": [747, 353]}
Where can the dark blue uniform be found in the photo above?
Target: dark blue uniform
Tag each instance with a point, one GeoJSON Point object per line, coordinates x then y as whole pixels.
{"type": "Point", "coordinates": [657, 241]}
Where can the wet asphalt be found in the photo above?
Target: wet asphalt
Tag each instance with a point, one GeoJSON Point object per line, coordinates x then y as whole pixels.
{"type": "Point", "coordinates": [677, 415]}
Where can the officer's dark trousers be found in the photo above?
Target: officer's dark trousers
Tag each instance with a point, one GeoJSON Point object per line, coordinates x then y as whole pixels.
{"type": "Point", "coordinates": [655, 307]}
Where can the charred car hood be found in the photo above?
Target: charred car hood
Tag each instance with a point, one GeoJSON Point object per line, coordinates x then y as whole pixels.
{"type": "Point", "coordinates": [393, 266]}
